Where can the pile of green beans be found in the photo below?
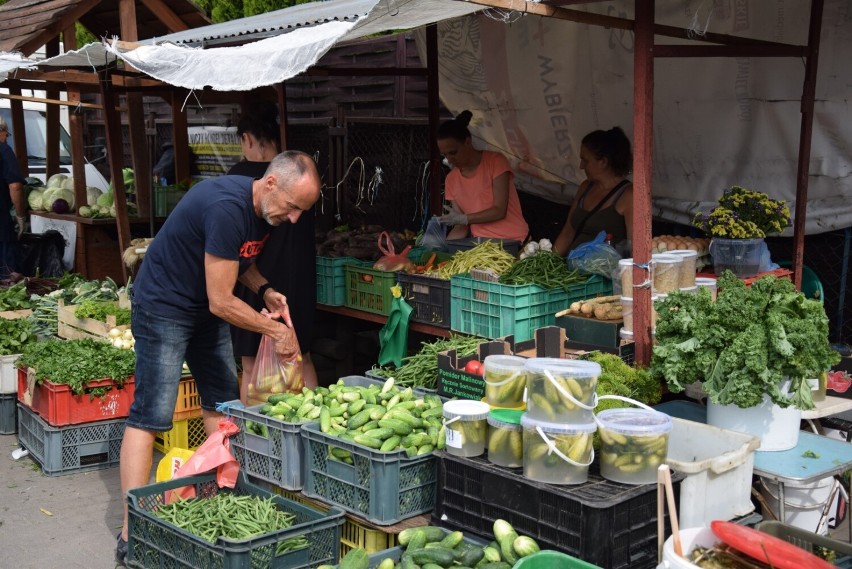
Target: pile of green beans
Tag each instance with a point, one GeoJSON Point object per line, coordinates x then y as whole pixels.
{"type": "Point", "coordinates": [486, 255]}
{"type": "Point", "coordinates": [546, 269]}
{"type": "Point", "coordinates": [421, 369]}
{"type": "Point", "coordinates": [231, 516]}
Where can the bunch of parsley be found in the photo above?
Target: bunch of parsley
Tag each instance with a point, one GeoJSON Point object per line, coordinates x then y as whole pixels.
{"type": "Point", "coordinates": [746, 344]}
{"type": "Point", "coordinates": [77, 362]}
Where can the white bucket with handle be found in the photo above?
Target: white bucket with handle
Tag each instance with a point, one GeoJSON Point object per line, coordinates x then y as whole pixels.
{"type": "Point", "coordinates": [690, 538]}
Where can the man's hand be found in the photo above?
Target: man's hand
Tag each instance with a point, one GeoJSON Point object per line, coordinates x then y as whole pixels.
{"type": "Point", "coordinates": [277, 304]}
{"type": "Point", "coordinates": [22, 224]}
{"type": "Point", "coordinates": [453, 216]}
{"type": "Point", "coordinates": [286, 344]}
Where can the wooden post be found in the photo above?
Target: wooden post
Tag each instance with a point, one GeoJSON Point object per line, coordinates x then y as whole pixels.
{"type": "Point", "coordinates": [115, 152]}
{"type": "Point", "coordinates": [52, 120]}
{"type": "Point", "coordinates": [281, 94]}
{"type": "Point", "coordinates": [435, 197]}
{"type": "Point", "coordinates": [808, 94]}
{"type": "Point", "coordinates": [19, 131]}
{"type": "Point", "coordinates": [180, 138]}
{"type": "Point", "coordinates": [643, 125]}
{"type": "Point", "coordinates": [75, 125]}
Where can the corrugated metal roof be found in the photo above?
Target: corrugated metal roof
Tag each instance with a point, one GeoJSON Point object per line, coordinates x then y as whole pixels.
{"type": "Point", "coordinates": [271, 23]}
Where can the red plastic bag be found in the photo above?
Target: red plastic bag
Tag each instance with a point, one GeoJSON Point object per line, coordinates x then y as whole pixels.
{"type": "Point", "coordinates": [271, 375]}
{"type": "Point", "coordinates": [390, 261]}
{"type": "Point", "coordinates": [214, 453]}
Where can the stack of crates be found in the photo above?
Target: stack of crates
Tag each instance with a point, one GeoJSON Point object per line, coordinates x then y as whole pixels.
{"type": "Point", "coordinates": [187, 430]}
{"type": "Point", "coordinates": [67, 433]}
{"type": "Point", "coordinates": [8, 395]}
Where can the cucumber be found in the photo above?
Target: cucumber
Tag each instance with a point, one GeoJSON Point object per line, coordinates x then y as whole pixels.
{"type": "Point", "coordinates": [371, 442]}
{"type": "Point", "coordinates": [386, 564]}
{"type": "Point", "coordinates": [399, 427]}
{"type": "Point", "coordinates": [381, 433]}
{"type": "Point", "coordinates": [356, 559]}
{"type": "Point", "coordinates": [469, 556]}
{"type": "Point", "coordinates": [433, 533]}
{"type": "Point", "coordinates": [418, 541]}
{"type": "Point", "coordinates": [437, 555]}
{"type": "Point", "coordinates": [359, 419]}
{"type": "Point", "coordinates": [390, 444]}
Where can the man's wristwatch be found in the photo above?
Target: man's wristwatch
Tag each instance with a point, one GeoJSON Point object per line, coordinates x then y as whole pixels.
{"type": "Point", "coordinates": [261, 290]}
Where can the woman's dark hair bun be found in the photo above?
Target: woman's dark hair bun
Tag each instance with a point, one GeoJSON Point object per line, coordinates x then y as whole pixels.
{"type": "Point", "coordinates": [464, 117]}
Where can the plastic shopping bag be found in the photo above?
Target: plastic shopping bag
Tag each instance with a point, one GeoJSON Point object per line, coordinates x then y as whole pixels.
{"type": "Point", "coordinates": [435, 236]}
{"type": "Point", "coordinates": [213, 454]}
{"type": "Point", "coordinates": [393, 337]}
{"type": "Point", "coordinates": [271, 375]}
{"type": "Point", "coordinates": [390, 259]}
{"type": "Point", "coordinates": [595, 257]}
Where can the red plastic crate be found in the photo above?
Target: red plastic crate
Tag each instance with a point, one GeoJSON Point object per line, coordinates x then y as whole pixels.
{"type": "Point", "coordinates": [57, 405]}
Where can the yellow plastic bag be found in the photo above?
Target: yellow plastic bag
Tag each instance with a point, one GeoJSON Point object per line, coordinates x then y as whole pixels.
{"type": "Point", "coordinates": [172, 462]}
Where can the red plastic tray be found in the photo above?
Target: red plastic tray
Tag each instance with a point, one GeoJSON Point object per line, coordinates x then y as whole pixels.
{"type": "Point", "coordinates": [57, 405]}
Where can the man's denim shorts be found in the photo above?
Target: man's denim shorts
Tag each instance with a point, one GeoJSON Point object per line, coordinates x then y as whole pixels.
{"type": "Point", "coordinates": [162, 345]}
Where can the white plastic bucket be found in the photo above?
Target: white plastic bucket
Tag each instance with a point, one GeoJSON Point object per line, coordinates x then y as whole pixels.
{"type": "Point", "coordinates": [505, 380]}
{"type": "Point", "coordinates": [687, 269]}
{"type": "Point", "coordinates": [690, 538]}
{"type": "Point", "coordinates": [777, 428]}
{"type": "Point", "coordinates": [666, 272]}
{"type": "Point", "coordinates": [466, 426]}
{"type": "Point", "coordinates": [803, 502]}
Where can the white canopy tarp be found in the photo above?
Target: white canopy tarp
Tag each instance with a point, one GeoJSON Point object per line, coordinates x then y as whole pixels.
{"type": "Point", "coordinates": [9, 62]}
{"type": "Point", "coordinates": [241, 68]}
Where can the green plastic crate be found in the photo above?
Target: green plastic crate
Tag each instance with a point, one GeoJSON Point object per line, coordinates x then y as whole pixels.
{"type": "Point", "coordinates": [493, 310]}
{"type": "Point", "coordinates": [369, 289]}
{"type": "Point", "coordinates": [331, 279]}
{"type": "Point", "coordinates": [155, 544]}
{"type": "Point", "coordinates": [381, 487]}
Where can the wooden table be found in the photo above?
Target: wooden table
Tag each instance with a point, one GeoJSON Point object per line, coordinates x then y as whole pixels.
{"type": "Point", "coordinates": [381, 319]}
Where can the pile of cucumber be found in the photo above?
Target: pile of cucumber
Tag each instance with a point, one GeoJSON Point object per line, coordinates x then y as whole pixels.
{"type": "Point", "coordinates": [632, 453]}
{"type": "Point", "coordinates": [546, 403]}
{"type": "Point", "coordinates": [506, 446]}
{"type": "Point", "coordinates": [380, 417]}
{"type": "Point", "coordinates": [432, 547]}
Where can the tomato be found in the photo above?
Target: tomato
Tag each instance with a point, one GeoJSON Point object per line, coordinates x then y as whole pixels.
{"type": "Point", "coordinates": [474, 367]}
{"type": "Point", "coordinates": [367, 278]}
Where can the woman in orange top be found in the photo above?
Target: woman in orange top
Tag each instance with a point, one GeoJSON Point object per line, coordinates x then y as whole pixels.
{"type": "Point", "coordinates": [480, 187]}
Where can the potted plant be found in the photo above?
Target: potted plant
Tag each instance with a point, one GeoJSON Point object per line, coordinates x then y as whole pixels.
{"type": "Point", "coordinates": [753, 348]}
{"type": "Point", "coordinates": [738, 226]}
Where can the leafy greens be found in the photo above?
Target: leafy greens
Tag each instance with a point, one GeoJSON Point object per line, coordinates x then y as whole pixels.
{"type": "Point", "coordinates": [746, 344]}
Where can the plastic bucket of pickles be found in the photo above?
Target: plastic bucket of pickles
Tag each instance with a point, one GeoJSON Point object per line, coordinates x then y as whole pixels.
{"type": "Point", "coordinates": [466, 427]}
{"type": "Point", "coordinates": [561, 390]}
{"type": "Point", "coordinates": [505, 439]}
{"type": "Point", "coordinates": [556, 453]}
{"type": "Point", "coordinates": [634, 443]}
{"type": "Point", "coordinates": [505, 380]}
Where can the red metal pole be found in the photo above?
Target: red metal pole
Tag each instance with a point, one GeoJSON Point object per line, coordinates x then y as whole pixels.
{"type": "Point", "coordinates": [643, 126]}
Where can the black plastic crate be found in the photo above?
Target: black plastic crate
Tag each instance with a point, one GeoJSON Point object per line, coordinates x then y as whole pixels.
{"type": "Point", "coordinates": [608, 524]}
{"type": "Point", "coordinates": [8, 413]}
{"type": "Point", "coordinates": [429, 297]}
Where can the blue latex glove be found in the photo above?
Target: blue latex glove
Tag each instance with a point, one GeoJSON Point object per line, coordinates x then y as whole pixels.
{"type": "Point", "coordinates": [453, 216]}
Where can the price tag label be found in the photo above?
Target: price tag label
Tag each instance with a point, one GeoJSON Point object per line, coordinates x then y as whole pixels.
{"type": "Point", "coordinates": [454, 438]}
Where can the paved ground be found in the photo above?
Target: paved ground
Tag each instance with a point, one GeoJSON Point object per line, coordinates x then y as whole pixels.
{"type": "Point", "coordinates": [56, 522]}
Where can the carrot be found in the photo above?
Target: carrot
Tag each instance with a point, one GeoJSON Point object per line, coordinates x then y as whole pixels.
{"type": "Point", "coordinates": [429, 262]}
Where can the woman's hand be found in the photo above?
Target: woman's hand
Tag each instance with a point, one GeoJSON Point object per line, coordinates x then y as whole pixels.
{"type": "Point", "coordinates": [453, 216]}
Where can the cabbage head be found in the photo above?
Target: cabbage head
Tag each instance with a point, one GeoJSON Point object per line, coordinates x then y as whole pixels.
{"type": "Point", "coordinates": [105, 200]}
{"type": "Point", "coordinates": [56, 180]}
{"type": "Point", "coordinates": [92, 195]}
{"type": "Point", "coordinates": [34, 199]}
{"type": "Point", "coordinates": [53, 194]}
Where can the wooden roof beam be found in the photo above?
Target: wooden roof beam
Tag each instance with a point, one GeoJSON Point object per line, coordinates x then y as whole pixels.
{"type": "Point", "coordinates": [580, 17]}
{"type": "Point", "coordinates": [57, 26]}
{"type": "Point", "coordinates": [166, 15]}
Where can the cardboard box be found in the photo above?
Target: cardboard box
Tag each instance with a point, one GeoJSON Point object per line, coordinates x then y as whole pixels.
{"type": "Point", "coordinates": [454, 382]}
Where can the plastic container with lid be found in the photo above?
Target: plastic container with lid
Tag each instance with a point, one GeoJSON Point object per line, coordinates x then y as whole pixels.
{"type": "Point", "coordinates": [687, 268]}
{"type": "Point", "coordinates": [665, 272]}
{"type": "Point", "coordinates": [561, 390]}
{"type": "Point", "coordinates": [634, 443]}
{"type": "Point", "coordinates": [627, 336]}
{"type": "Point", "coordinates": [505, 439]}
{"type": "Point", "coordinates": [690, 289]}
{"type": "Point", "coordinates": [625, 277]}
{"type": "Point", "coordinates": [556, 453]}
{"type": "Point", "coordinates": [466, 426]}
{"type": "Point", "coordinates": [708, 283]}
{"type": "Point", "coordinates": [505, 380]}
{"type": "Point", "coordinates": [627, 312]}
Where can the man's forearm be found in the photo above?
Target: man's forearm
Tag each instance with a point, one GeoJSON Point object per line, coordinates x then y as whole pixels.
{"type": "Point", "coordinates": [16, 191]}
{"type": "Point", "coordinates": [237, 313]}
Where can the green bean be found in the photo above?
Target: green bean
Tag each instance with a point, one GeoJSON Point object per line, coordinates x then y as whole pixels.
{"type": "Point", "coordinates": [545, 269]}
{"type": "Point", "coordinates": [421, 369]}
{"type": "Point", "coordinates": [230, 516]}
{"type": "Point", "coordinates": [486, 255]}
